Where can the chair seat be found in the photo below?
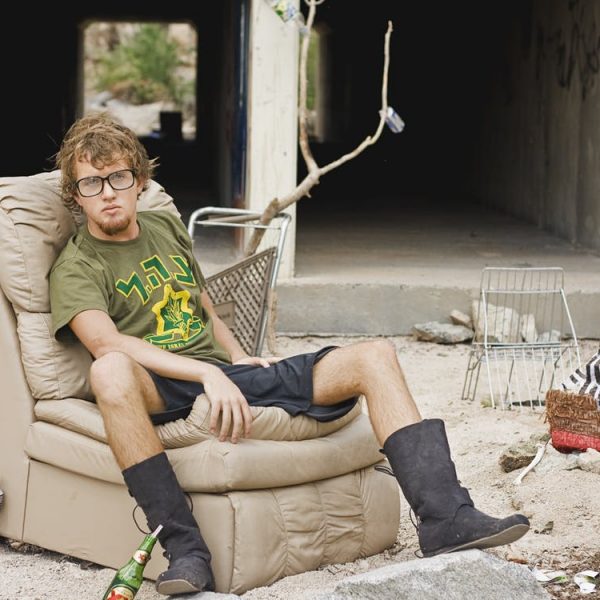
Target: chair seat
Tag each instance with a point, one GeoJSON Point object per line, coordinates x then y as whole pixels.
{"type": "Point", "coordinates": [216, 467]}
{"type": "Point", "coordinates": [269, 423]}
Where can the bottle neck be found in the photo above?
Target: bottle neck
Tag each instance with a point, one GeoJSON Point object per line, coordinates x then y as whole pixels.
{"type": "Point", "coordinates": [142, 554]}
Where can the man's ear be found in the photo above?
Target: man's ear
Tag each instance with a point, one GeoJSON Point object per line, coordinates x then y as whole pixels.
{"type": "Point", "coordinates": [140, 185]}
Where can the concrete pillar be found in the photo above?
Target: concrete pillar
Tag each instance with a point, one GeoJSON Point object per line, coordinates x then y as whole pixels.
{"type": "Point", "coordinates": [272, 116]}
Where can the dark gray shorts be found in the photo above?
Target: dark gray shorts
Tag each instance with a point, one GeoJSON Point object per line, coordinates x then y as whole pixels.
{"type": "Point", "coordinates": [287, 384]}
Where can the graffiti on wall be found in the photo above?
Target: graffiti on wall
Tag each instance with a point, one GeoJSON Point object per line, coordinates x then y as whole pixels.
{"type": "Point", "coordinates": [573, 48]}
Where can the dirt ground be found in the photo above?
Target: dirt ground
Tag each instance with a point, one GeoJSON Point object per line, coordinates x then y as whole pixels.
{"type": "Point", "coordinates": [563, 505]}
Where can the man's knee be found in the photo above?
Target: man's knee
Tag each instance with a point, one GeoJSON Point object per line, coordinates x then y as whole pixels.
{"type": "Point", "coordinates": [112, 373]}
{"type": "Point", "coordinates": [365, 357]}
{"type": "Point", "coordinates": [380, 352]}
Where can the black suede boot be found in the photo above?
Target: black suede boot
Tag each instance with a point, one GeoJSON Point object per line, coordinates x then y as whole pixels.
{"type": "Point", "coordinates": [420, 459]}
{"type": "Point", "coordinates": [155, 488]}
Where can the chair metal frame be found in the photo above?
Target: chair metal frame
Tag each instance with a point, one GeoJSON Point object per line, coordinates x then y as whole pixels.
{"type": "Point", "coordinates": [515, 366]}
{"type": "Point", "coordinates": [213, 216]}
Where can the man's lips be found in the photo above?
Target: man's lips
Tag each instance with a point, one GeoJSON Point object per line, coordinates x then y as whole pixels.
{"type": "Point", "coordinates": [111, 209]}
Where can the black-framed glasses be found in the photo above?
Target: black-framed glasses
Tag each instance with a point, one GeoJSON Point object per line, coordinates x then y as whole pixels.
{"type": "Point", "coordinates": [92, 186]}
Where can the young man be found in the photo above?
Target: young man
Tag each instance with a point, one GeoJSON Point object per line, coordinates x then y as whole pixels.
{"type": "Point", "coordinates": [128, 287]}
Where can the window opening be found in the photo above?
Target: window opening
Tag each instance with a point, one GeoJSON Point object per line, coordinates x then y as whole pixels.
{"type": "Point", "coordinates": [144, 74]}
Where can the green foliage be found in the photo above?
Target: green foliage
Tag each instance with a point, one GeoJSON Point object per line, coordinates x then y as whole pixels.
{"type": "Point", "coordinates": [143, 68]}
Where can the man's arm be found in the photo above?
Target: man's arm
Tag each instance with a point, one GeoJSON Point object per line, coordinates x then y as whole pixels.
{"type": "Point", "coordinates": [226, 339]}
{"type": "Point", "coordinates": [99, 335]}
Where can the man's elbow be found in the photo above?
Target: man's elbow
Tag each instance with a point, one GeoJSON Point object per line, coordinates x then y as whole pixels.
{"type": "Point", "coordinates": [101, 346]}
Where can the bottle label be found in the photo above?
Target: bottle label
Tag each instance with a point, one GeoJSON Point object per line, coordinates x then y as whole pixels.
{"type": "Point", "coordinates": [120, 593]}
{"type": "Point", "coordinates": [141, 557]}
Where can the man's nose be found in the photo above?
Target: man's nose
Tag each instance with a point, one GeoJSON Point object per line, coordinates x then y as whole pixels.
{"type": "Point", "coordinates": [107, 189]}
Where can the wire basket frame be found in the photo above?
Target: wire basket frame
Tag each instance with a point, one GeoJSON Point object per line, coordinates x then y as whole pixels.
{"type": "Point", "coordinates": [243, 292]}
{"type": "Point", "coordinates": [524, 339]}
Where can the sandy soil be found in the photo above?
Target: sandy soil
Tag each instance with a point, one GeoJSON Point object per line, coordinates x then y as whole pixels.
{"type": "Point", "coordinates": [569, 499]}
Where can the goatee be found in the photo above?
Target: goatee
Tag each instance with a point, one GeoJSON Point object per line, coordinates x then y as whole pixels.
{"type": "Point", "coordinates": [112, 227]}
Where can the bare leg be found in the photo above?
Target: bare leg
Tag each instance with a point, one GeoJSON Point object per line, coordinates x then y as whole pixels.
{"type": "Point", "coordinates": [417, 450]}
{"type": "Point", "coordinates": [372, 369]}
{"type": "Point", "coordinates": [126, 395]}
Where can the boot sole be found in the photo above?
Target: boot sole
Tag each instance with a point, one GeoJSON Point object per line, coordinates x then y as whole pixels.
{"type": "Point", "coordinates": [507, 536]}
{"type": "Point", "coordinates": [176, 586]}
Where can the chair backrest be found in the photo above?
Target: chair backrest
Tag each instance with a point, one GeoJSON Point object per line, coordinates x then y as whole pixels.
{"type": "Point", "coordinates": [34, 227]}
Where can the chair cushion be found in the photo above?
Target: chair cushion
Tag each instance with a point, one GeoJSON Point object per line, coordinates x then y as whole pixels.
{"type": "Point", "coordinates": [34, 227]}
{"type": "Point", "coordinates": [270, 423]}
{"type": "Point", "coordinates": [53, 369]}
{"type": "Point", "coordinates": [215, 467]}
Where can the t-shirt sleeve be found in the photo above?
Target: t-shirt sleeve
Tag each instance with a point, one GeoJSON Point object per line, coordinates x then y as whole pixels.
{"type": "Point", "coordinates": [192, 262]}
{"type": "Point", "coordinates": [198, 274]}
{"type": "Point", "coordinates": [74, 287]}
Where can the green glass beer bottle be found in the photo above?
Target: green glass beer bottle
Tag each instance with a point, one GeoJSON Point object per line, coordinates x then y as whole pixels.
{"type": "Point", "coordinates": [128, 579]}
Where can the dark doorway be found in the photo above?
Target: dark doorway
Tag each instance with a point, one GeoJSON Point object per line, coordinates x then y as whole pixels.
{"type": "Point", "coordinates": [42, 69]}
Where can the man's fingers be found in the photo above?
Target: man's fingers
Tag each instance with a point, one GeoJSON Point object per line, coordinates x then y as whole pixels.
{"type": "Point", "coordinates": [215, 409]}
{"type": "Point", "coordinates": [248, 418]}
{"type": "Point", "coordinates": [225, 422]}
{"type": "Point", "coordinates": [237, 423]}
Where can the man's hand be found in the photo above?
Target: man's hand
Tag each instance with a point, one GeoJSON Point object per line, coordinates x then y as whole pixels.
{"type": "Point", "coordinates": [227, 400]}
{"type": "Point", "coordinates": [257, 360]}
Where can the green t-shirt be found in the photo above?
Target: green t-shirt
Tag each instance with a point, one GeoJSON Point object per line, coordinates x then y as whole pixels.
{"type": "Point", "coordinates": [150, 287]}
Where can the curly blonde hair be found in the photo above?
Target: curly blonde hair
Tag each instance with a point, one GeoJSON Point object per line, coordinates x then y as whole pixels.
{"type": "Point", "coordinates": [100, 139]}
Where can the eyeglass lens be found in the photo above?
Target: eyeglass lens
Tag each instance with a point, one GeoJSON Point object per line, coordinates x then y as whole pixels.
{"type": "Point", "coordinates": [119, 180]}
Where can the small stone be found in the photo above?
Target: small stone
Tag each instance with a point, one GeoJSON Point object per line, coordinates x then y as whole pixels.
{"type": "Point", "coordinates": [589, 461]}
{"type": "Point", "coordinates": [460, 318]}
{"type": "Point", "coordinates": [519, 455]}
{"type": "Point", "coordinates": [549, 336]}
{"type": "Point", "coordinates": [442, 333]}
{"type": "Point", "coordinates": [546, 528]}
{"type": "Point", "coordinates": [553, 460]}
{"type": "Point", "coordinates": [486, 402]}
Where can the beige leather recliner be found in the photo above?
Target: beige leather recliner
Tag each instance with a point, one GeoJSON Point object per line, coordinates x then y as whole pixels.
{"type": "Point", "coordinates": [298, 495]}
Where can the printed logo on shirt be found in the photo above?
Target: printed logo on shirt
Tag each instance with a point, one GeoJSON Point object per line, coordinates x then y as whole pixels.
{"type": "Point", "coordinates": [156, 274]}
{"type": "Point", "coordinates": [176, 323]}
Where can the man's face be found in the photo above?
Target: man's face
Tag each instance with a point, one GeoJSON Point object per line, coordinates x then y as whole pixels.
{"type": "Point", "coordinates": [111, 214]}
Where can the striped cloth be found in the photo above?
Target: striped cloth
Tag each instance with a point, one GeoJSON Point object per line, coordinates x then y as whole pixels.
{"type": "Point", "coordinates": [585, 380]}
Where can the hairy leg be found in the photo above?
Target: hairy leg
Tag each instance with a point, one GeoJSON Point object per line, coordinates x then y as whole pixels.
{"type": "Point", "coordinates": [126, 394]}
{"type": "Point", "coordinates": [371, 369]}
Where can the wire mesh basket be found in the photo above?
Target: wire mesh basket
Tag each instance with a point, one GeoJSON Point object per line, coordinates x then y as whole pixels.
{"type": "Point", "coordinates": [524, 339]}
{"type": "Point", "coordinates": [241, 288]}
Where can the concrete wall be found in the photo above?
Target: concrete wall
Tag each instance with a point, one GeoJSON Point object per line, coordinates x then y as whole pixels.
{"type": "Point", "coordinates": [539, 141]}
{"type": "Point", "coordinates": [272, 116]}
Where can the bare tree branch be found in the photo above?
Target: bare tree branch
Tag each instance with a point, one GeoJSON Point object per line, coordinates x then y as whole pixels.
{"type": "Point", "coordinates": [314, 171]}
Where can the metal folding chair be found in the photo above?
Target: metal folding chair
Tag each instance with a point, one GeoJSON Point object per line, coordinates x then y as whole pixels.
{"type": "Point", "coordinates": [524, 336]}
{"type": "Point", "coordinates": [242, 292]}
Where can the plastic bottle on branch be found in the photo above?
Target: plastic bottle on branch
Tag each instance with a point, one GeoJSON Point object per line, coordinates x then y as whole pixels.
{"type": "Point", "coordinates": [393, 120]}
{"type": "Point", "coordinates": [288, 12]}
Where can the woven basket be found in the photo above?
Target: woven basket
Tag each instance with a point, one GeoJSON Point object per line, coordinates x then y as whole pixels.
{"type": "Point", "coordinates": [574, 420]}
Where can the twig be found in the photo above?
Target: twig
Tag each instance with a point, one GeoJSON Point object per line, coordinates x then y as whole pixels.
{"type": "Point", "coordinates": [314, 171]}
{"type": "Point", "coordinates": [532, 464]}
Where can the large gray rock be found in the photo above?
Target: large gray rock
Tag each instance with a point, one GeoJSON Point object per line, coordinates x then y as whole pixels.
{"type": "Point", "coordinates": [469, 575]}
{"type": "Point", "coordinates": [207, 596]}
{"type": "Point", "coordinates": [442, 333]}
